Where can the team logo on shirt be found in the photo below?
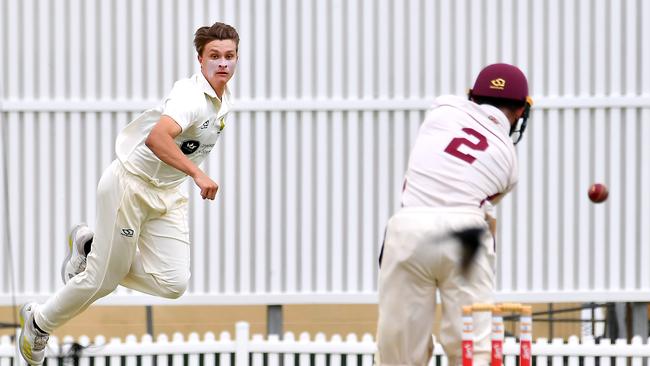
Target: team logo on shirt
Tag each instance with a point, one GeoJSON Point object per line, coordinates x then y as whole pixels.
{"type": "Point", "coordinates": [220, 125]}
{"type": "Point", "coordinates": [189, 146]}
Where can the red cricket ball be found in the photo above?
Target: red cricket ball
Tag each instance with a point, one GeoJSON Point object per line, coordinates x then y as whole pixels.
{"type": "Point", "coordinates": [598, 192]}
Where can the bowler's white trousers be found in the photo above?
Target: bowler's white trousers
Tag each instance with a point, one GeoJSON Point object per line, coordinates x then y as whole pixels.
{"type": "Point", "coordinates": [141, 242]}
{"type": "Point", "coordinates": [420, 256]}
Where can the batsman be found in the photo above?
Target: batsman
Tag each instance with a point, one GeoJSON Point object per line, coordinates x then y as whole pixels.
{"type": "Point", "coordinates": [443, 237]}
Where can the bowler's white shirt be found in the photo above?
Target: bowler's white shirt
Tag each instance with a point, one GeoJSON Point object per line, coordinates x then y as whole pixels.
{"type": "Point", "coordinates": [451, 165]}
{"type": "Point", "coordinates": [194, 105]}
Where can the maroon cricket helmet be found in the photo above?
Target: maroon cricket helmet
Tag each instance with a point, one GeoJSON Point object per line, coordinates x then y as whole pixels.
{"type": "Point", "coordinates": [506, 82]}
{"type": "Point", "coordinates": [502, 81]}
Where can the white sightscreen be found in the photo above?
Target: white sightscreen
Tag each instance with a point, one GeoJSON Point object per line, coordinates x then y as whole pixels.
{"type": "Point", "coordinates": [330, 95]}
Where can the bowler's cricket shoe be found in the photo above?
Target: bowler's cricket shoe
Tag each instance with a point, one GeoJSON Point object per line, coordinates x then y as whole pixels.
{"type": "Point", "coordinates": [79, 242]}
{"type": "Point", "coordinates": [32, 342]}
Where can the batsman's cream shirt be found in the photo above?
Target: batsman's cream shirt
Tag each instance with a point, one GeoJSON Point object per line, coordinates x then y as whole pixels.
{"type": "Point", "coordinates": [462, 156]}
{"type": "Point", "coordinates": [194, 105]}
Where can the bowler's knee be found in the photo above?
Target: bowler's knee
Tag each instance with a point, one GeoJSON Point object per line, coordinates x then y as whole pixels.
{"type": "Point", "coordinates": [175, 290]}
{"type": "Point", "coordinates": [175, 287]}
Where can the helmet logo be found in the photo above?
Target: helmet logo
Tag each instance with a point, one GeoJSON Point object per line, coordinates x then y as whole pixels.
{"type": "Point", "coordinates": [499, 84]}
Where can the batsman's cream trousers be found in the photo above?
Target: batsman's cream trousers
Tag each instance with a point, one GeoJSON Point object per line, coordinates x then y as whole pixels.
{"type": "Point", "coordinates": [141, 242]}
{"type": "Point", "coordinates": [419, 257]}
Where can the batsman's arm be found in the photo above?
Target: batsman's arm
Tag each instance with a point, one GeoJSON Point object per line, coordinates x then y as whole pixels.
{"type": "Point", "coordinates": [488, 209]}
{"type": "Point", "coordinates": [492, 224]}
{"type": "Point", "coordinates": [161, 142]}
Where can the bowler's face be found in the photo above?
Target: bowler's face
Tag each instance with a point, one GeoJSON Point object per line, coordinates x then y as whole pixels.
{"type": "Point", "coordinates": [218, 62]}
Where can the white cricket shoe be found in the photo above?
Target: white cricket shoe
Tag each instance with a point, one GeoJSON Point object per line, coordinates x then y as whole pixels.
{"type": "Point", "coordinates": [32, 342]}
{"type": "Point", "coordinates": [75, 259]}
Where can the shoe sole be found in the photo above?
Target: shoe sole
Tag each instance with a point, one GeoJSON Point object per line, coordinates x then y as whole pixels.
{"type": "Point", "coordinates": [21, 338]}
{"type": "Point", "coordinates": [22, 331]}
{"type": "Point", "coordinates": [21, 315]}
{"type": "Point", "coordinates": [68, 254]}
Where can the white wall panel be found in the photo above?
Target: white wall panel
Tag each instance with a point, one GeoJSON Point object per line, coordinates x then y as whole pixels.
{"type": "Point", "coordinates": [329, 96]}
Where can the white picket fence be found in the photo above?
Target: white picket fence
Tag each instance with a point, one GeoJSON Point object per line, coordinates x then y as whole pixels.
{"type": "Point", "coordinates": [256, 351]}
{"type": "Point", "coordinates": [329, 98]}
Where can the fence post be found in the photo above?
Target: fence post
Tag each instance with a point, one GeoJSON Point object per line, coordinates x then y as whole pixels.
{"type": "Point", "coordinates": [639, 314]}
{"type": "Point", "coordinates": [622, 360]}
{"type": "Point", "coordinates": [274, 320]}
{"type": "Point", "coordinates": [6, 344]}
{"type": "Point", "coordinates": [637, 347]}
{"type": "Point", "coordinates": [241, 343]}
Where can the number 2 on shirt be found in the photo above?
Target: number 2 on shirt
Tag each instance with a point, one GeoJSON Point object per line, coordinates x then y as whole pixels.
{"type": "Point", "coordinates": [457, 142]}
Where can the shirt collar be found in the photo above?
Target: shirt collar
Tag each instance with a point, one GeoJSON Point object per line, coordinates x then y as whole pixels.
{"type": "Point", "coordinates": [496, 113]}
{"type": "Point", "coordinates": [491, 112]}
{"type": "Point", "coordinates": [205, 85]}
{"type": "Point", "coordinates": [224, 101]}
{"type": "Point", "coordinates": [207, 88]}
